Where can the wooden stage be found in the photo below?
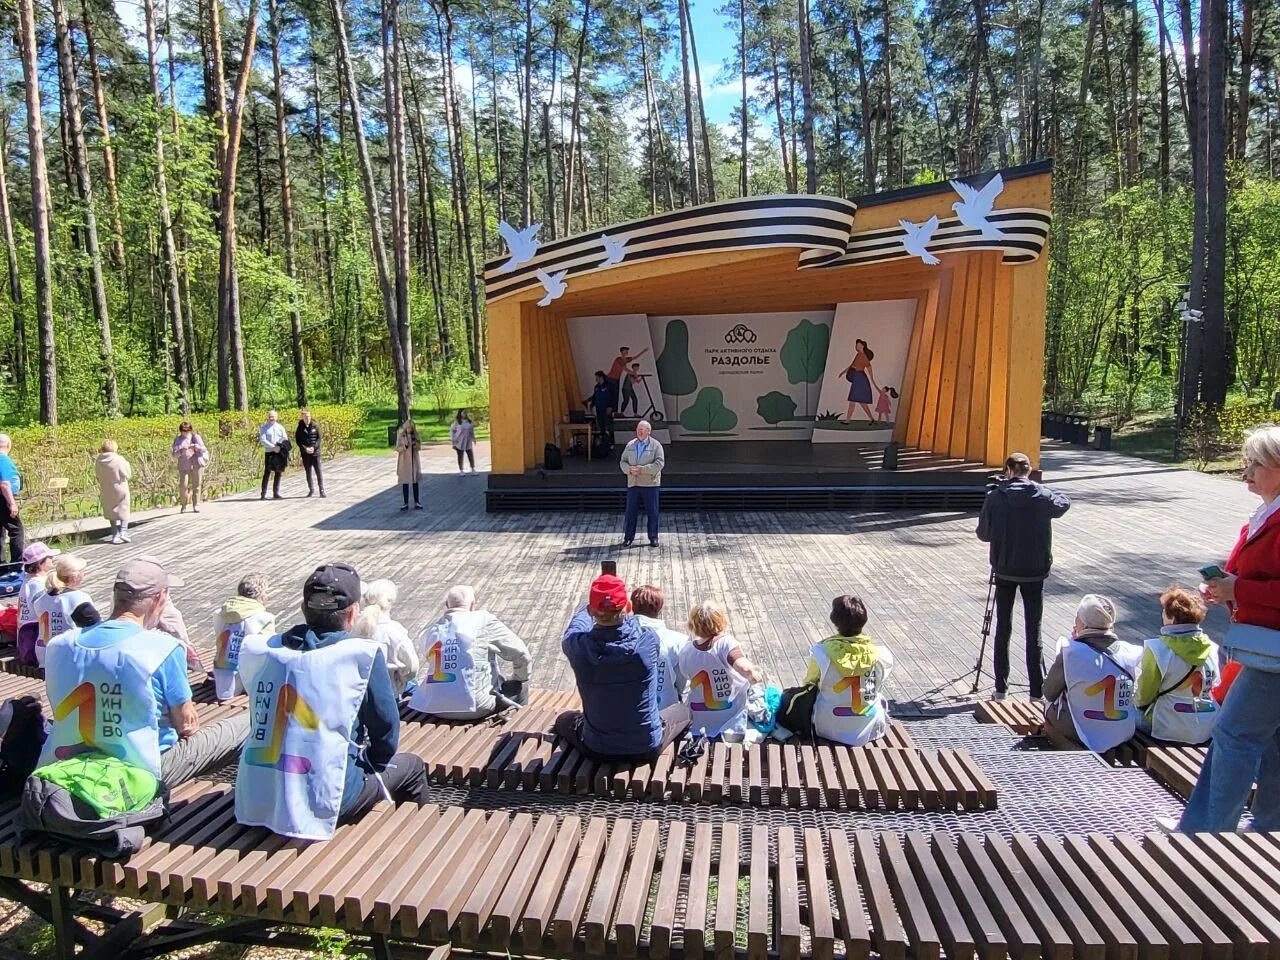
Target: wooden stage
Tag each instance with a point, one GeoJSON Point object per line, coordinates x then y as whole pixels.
{"type": "Point", "coordinates": [762, 475]}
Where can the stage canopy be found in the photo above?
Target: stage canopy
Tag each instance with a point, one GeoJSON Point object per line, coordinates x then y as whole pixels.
{"type": "Point", "coordinates": [801, 274]}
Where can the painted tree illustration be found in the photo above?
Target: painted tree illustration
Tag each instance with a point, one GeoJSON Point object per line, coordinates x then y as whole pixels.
{"type": "Point", "coordinates": [675, 373]}
{"type": "Point", "coordinates": [804, 354]}
{"type": "Point", "coordinates": [775, 406]}
{"type": "Point", "coordinates": [708, 414]}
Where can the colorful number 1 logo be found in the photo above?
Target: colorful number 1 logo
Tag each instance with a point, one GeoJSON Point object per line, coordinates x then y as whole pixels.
{"type": "Point", "coordinates": [222, 650]}
{"type": "Point", "coordinates": [44, 628]}
{"type": "Point", "coordinates": [435, 654]}
{"type": "Point", "coordinates": [856, 706]}
{"type": "Point", "coordinates": [289, 705]}
{"type": "Point", "coordinates": [1107, 687]}
{"type": "Point", "coordinates": [1195, 685]}
{"type": "Point", "coordinates": [702, 680]}
{"type": "Point", "coordinates": [83, 701]}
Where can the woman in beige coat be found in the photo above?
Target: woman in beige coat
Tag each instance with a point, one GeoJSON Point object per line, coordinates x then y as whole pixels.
{"type": "Point", "coordinates": [408, 469]}
{"type": "Point", "coordinates": [113, 473]}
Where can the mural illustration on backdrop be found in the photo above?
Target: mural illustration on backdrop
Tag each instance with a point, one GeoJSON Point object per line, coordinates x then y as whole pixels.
{"type": "Point", "coordinates": [862, 384]}
{"type": "Point", "coordinates": [619, 346]}
{"type": "Point", "coordinates": [741, 376]}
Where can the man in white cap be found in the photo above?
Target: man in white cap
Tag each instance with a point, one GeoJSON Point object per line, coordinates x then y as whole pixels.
{"type": "Point", "coordinates": [1090, 685]}
{"type": "Point", "coordinates": [120, 687]}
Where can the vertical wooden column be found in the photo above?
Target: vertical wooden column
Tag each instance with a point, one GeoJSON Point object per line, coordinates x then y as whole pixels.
{"type": "Point", "coordinates": [508, 380]}
{"type": "Point", "coordinates": [1028, 292]}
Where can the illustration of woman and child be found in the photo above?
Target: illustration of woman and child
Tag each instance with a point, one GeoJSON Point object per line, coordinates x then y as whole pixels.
{"type": "Point", "coordinates": [862, 382]}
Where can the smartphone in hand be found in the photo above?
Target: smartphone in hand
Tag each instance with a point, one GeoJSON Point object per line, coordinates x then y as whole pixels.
{"type": "Point", "coordinates": [1213, 572]}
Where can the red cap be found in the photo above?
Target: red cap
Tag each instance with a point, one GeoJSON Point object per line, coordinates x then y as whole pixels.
{"type": "Point", "coordinates": [608, 593]}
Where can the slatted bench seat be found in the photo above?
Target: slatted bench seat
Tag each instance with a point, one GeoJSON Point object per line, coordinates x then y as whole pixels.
{"type": "Point", "coordinates": [522, 753]}
{"type": "Point", "coordinates": [1178, 767]}
{"type": "Point", "coordinates": [1027, 720]}
{"type": "Point", "coordinates": [208, 708]}
{"type": "Point", "coordinates": [564, 887]}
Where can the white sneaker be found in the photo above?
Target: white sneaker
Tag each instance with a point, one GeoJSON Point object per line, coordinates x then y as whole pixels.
{"type": "Point", "coordinates": [999, 695]}
{"type": "Point", "coordinates": [115, 538]}
{"type": "Point", "coordinates": [125, 538]}
{"type": "Point", "coordinates": [1167, 824]}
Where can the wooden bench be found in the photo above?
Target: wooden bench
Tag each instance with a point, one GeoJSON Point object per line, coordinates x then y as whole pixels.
{"type": "Point", "coordinates": [521, 752]}
{"type": "Point", "coordinates": [1027, 720]}
{"type": "Point", "coordinates": [544, 886]}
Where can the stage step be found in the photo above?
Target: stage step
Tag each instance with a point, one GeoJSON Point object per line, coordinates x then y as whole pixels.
{"type": "Point", "coordinates": [866, 497]}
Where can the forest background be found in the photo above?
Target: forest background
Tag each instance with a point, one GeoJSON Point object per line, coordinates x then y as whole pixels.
{"type": "Point", "coordinates": [225, 204]}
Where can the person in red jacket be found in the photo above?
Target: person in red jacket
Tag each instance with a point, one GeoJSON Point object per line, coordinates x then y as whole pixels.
{"type": "Point", "coordinates": [1246, 741]}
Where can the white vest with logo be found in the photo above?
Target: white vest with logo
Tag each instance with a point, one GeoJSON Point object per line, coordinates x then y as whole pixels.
{"type": "Point", "coordinates": [849, 708]}
{"type": "Point", "coordinates": [717, 692]}
{"type": "Point", "coordinates": [670, 642]}
{"type": "Point", "coordinates": [53, 616]}
{"type": "Point", "coordinates": [32, 590]}
{"type": "Point", "coordinates": [1187, 713]}
{"type": "Point", "coordinates": [226, 653]}
{"type": "Point", "coordinates": [303, 705]}
{"type": "Point", "coordinates": [450, 674]}
{"type": "Point", "coordinates": [1100, 693]}
{"type": "Point", "coordinates": [103, 699]}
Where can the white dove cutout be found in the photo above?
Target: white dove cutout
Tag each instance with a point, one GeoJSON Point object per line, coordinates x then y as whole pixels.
{"type": "Point", "coordinates": [615, 250]}
{"type": "Point", "coordinates": [917, 239]}
{"type": "Point", "coordinates": [521, 244]}
{"type": "Point", "coordinates": [553, 283]}
{"type": "Point", "coordinates": [974, 206]}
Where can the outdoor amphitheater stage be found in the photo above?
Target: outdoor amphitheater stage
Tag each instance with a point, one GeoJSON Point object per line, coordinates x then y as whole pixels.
{"type": "Point", "coordinates": [761, 475]}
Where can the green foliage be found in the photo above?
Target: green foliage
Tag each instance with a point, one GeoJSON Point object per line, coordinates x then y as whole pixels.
{"type": "Point", "coordinates": [235, 457]}
{"type": "Point", "coordinates": [774, 407]}
{"type": "Point", "coordinates": [708, 414]}
{"type": "Point", "coordinates": [1213, 435]}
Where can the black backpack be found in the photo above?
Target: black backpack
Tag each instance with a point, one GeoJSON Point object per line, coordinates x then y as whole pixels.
{"type": "Point", "coordinates": [23, 740]}
{"type": "Point", "coordinates": [552, 458]}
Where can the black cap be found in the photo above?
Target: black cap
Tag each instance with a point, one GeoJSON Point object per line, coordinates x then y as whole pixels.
{"type": "Point", "coordinates": [333, 586]}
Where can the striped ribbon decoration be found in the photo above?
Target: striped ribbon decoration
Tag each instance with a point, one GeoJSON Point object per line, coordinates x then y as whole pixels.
{"type": "Point", "coordinates": [821, 227]}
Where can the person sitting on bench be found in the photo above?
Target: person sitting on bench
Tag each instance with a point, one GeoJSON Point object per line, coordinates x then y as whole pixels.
{"type": "Point", "coordinates": [1179, 669]}
{"type": "Point", "coordinates": [646, 604]}
{"type": "Point", "coordinates": [460, 654]}
{"type": "Point", "coordinates": [720, 677]}
{"type": "Point", "coordinates": [325, 723]}
{"type": "Point", "coordinates": [1090, 685]}
{"type": "Point", "coordinates": [849, 672]}
{"type": "Point", "coordinates": [615, 663]}
{"type": "Point", "coordinates": [129, 681]}
{"type": "Point", "coordinates": [241, 616]}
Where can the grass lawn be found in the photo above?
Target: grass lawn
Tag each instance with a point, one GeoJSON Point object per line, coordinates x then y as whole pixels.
{"type": "Point", "coordinates": [371, 435]}
{"type": "Point", "coordinates": [1150, 436]}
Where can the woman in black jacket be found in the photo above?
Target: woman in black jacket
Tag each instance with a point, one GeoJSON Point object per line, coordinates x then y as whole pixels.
{"type": "Point", "coordinates": [307, 436]}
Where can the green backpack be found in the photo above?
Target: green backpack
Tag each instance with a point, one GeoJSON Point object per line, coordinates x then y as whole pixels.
{"type": "Point", "coordinates": [108, 784]}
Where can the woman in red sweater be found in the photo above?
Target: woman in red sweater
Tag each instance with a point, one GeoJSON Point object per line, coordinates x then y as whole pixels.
{"type": "Point", "coordinates": [1246, 741]}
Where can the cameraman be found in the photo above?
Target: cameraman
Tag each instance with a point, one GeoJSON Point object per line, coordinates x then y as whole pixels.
{"type": "Point", "coordinates": [1016, 520]}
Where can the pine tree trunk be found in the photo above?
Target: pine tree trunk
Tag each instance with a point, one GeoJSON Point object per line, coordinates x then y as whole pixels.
{"type": "Point", "coordinates": [39, 176]}
{"type": "Point", "coordinates": [575, 112]}
{"type": "Point", "coordinates": [864, 100]}
{"type": "Point", "coordinates": [743, 176]}
{"type": "Point", "coordinates": [1217, 369]}
{"type": "Point", "coordinates": [890, 174]}
{"type": "Point", "coordinates": [20, 374]}
{"type": "Point", "coordinates": [404, 387]}
{"type": "Point", "coordinates": [104, 125]}
{"type": "Point", "coordinates": [475, 144]}
{"type": "Point", "coordinates": [394, 112]}
{"type": "Point", "coordinates": [264, 219]}
{"type": "Point", "coordinates": [782, 126]}
{"type": "Point", "coordinates": [286, 205]}
{"type": "Point", "coordinates": [708, 171]}
{"type": "Point", "coordinates": [526, 179]}
{"type": "Point", "coordinates": [649, 123]}
{"type": "Point", "coordinates": [172, 284]}
{"type": "Point", "coordinates": [1247, 51]}
{"type": "Point", "coordinates": [806, 97]}
{"type": "Point", "coordinates": [84, 184]}
{"type": "Point", "coordinates": [497, 128]}
{"type": "Point", "coordinates": [228, 272]}
{"type": "Point", "coordinates": [695, 194]}
{"type": "Point", "coordinates": [454, 120]}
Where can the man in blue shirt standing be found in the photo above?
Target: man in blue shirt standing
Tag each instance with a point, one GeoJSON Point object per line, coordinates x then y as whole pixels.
{"type": "Point", "coordinates": [10, 484]}
{"type": "Point", "coordinates": [642, 462]}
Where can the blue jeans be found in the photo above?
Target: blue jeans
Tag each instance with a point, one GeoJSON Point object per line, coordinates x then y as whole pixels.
{"type": "Point", "coordinates": [637, 497]}
{"type": "Point", "coordinates": [1245, 750]}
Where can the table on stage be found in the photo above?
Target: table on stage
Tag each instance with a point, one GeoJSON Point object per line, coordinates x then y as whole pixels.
{"type": "Point", "coordinates": [568, 430]}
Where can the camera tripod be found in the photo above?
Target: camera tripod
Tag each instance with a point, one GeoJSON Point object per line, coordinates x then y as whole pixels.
{"type": "Point", "coordinates": [987, 616]}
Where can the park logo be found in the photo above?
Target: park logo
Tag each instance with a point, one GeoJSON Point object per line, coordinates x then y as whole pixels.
{"type": "Point", "coordinates": [740, 334]}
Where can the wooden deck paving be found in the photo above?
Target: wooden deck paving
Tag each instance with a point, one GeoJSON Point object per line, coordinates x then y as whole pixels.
{"type": "Point", "coordinates": [1136, 527]}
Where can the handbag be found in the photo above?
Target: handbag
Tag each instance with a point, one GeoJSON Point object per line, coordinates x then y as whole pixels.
{"type": "Point", "coordinates": [1253, 646]}
{"type": "Point", "coordinates": [848, 374]}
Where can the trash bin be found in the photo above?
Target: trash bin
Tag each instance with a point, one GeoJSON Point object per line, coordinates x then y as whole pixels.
{"type": "Point", "coordinates": [890, 459]}
{"type": "Point", "coordinates": [392, 430]}
{"type": "Point", "coordinates": [1102, 437]}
